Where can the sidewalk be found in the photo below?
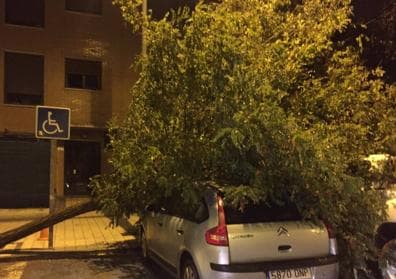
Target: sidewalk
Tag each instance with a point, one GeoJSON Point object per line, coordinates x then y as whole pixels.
{"type": "Point", "coordinates": [87, 232]}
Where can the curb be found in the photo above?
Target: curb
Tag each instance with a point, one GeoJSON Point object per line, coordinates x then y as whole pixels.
{"type": "Point", "coordinates": [129, 249]}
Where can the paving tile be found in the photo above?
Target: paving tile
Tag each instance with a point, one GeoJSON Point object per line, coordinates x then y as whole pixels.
{"type": "Point", "coordinates": [96, 231]}
{"type": "Point", "coordinates": [107, 230]}
{"type": "Point", "coordinates": [83, 232]}
{"type": "Point", "coordinates": [59, 236]}
{"type": "Point", "coordinates": [28, 242]}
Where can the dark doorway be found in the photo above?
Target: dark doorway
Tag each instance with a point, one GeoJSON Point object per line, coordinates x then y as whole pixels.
{"type": "Point", "coordinates": [24, 173]}
{"type": "Point", "coordinates": [82, 161]}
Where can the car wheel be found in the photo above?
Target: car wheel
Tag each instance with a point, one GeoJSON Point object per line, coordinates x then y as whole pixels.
{"type": "Point", "coordinates": [387, 260]}
{"type": "Point", "coordinates": [189, 271]}
{"type": "Point", "coordinates": [143, 244]}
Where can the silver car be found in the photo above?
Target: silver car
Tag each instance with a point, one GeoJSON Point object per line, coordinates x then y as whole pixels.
{"type": "Point", "coordinates": [210, 240]}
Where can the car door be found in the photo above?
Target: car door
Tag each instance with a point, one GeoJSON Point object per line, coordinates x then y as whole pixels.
{"type": "Point", "coordinates": [178, 227]}
{"type": "Point", "coordinates": [153, 221]}
{"type": "Point", "coordinates": [173, 238]}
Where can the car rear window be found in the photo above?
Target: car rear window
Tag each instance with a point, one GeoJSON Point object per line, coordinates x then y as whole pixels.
{"type": "Point", "coordinates": [261, 213]}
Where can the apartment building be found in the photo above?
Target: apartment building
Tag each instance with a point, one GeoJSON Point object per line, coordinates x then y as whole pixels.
{"type": "Point", "coordinates": [75, 54]}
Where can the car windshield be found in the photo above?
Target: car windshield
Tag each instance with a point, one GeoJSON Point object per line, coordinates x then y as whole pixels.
{"type": "Point", "coordinates": [260, 213]}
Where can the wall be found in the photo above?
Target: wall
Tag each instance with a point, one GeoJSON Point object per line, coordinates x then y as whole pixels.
{"type": "Point", "coordinates": [72, 35]}
{"type": "Point", "coordinates": [68, 34]}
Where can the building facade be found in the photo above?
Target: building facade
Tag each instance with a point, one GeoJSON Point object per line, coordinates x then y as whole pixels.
{"type": "Point", "coordinates": [75, 54]}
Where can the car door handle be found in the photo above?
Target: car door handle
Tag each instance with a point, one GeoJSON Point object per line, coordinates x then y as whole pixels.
{"type": "Point", "coordinates": [180, 232]}
{"type": "Point", "coordinates": [160, 224]}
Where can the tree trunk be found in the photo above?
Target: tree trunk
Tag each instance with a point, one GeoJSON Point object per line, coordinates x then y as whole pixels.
{"type": "Point", "coordinates": [49, 220]}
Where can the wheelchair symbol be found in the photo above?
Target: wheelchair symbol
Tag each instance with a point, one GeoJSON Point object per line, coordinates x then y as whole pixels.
{"type": "Point", "coordinates": [50, 126]}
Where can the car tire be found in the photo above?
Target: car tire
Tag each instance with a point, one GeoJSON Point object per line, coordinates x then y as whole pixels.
{"type": "Point", "coordinates": [188, 270]}
{"type": "Point", "coordinates": [143, 245]}
{"type": "Point", "coordinates": [387, 260]}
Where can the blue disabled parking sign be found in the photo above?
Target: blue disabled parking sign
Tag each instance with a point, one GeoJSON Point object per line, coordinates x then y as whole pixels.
{"type": "Point", "coordinates": [52, 122]}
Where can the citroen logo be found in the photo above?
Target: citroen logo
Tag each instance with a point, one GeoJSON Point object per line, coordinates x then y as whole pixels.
{"type": "Point", "coordinates": [282, 231]}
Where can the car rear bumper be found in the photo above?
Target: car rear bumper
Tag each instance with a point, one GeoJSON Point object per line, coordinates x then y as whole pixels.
{"type": "Point", "coordinates": [322, 268]}
{"type": "Point", "coordinates": [271, 265]}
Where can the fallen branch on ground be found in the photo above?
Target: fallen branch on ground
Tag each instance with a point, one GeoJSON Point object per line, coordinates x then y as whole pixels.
{"type": "Point", "coordinates": [44, 222]}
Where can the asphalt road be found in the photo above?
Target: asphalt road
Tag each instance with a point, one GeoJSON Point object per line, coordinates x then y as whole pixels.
{"type": "Point", "coordinates": [69, 266]}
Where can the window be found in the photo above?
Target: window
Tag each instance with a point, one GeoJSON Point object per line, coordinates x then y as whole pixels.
{"type": "Point", "coordinates": [83, 74]}
{"type": "Point", "coordinates": [261, 213]}
{"type": "Point", "coordinates": [24, 79]}
{"type": "Point", "coordinates": [85, 6]}
{"type": "Point", "coordinates": [25, 12]}
{"type": "Point", "coordinates": [175, 206]}
{"type": "Point", "coordinates": [201, 212]}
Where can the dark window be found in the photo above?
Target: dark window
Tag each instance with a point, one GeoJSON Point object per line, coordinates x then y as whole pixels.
{"type": "Point", "coordinates": [25, 12]}
{"type": "Point", "coordinates": [85, 6]}
{"type": "Point", "coordinates": [195, 212]}
{"type": "Point", "coordinates": [24, 79]}
{"type": "Point", "coordinates": [261, 213]}
{"type": "Point", "coordinates": [201, 212]}
{"type": "Point", "coordinates": [175, 206]}
{"type": "Point", "coordinates": [83, 74]}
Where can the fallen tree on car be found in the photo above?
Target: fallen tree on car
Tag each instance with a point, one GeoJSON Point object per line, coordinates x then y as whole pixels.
{"type": "Point", "coordinates": [265, 99]}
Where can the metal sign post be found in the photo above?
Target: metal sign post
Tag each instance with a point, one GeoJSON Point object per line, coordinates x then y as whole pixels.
{"type": "Point", "coordinates": [52, 191]}
{"type": "Point", "coordinates": [53, 123]}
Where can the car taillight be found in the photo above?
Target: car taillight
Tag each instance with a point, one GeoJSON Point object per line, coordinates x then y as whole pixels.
{"type": "Point", "coordinates": [333, 250]}
{"type": "Point", "coordinates": [218, 235]}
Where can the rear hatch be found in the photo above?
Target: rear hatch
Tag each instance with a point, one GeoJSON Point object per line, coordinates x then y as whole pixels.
{"type": "Point", "coordinates": [273, 233]}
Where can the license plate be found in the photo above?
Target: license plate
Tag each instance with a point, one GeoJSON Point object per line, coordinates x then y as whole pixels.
{"type": "Point", "coordinates": [296, 273]}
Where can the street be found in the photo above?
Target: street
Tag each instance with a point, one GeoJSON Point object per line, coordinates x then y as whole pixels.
{"type": "Point", "coordinates": [79, 265]}
{"type": "Point", "coordinates": [84, 247]}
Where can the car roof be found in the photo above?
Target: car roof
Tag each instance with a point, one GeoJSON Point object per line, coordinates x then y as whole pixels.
{"type": "Point", "coordinates": [210, 184]}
